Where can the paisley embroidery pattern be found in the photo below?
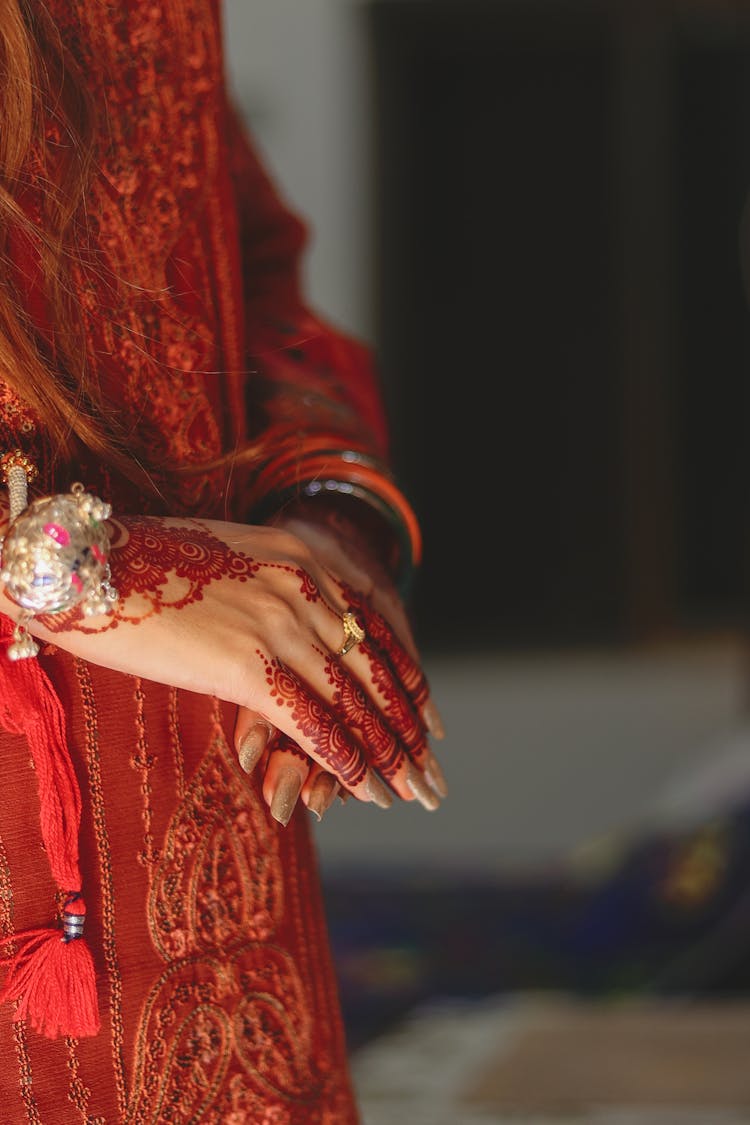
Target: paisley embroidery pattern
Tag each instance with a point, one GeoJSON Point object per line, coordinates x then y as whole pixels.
{"type": "Point", "coordinates": [224, 1035]}
{"type": "Point", "coordinates": [161, 343]}
{"type": "Point", "coordinates": [225, 1026]}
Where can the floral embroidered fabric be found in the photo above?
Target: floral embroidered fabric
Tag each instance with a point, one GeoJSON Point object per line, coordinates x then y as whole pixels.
{"type": "Point", "coordinates": [218, 998]}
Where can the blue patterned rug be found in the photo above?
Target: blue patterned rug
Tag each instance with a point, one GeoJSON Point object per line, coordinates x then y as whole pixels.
{"type": "Point", "coordinates": [669, 915]}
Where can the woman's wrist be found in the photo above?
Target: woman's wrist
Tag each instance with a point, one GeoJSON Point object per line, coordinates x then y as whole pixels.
{"type": "Point", "coordinates": [352, 484]}
{"type": "Point", "coordinates": [362, 531]}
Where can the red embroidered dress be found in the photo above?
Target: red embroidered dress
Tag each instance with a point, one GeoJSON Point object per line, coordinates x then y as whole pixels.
{"type": "Point", "coordinates": [216, 990]}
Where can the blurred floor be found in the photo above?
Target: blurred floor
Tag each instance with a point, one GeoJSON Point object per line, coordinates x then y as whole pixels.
{"type": "Point", "coordinates": [558, 764]}
{"type": "Point", "coordinates": [546, 752]}
{"type": "Point", "coordinates": [541, 1060]}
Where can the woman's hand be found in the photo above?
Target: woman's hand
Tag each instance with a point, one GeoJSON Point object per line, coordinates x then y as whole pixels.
{"type": "Point", "coordinates": [348, 548]}
{"type": "Point", "coordinates": [250, 615]}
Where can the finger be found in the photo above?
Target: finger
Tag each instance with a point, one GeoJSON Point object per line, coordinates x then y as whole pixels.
{"type": "Point", "coordinates": [396, 686]}
{"type": "Point", "coordinates": [345, 702]}
{"type": "Point", "coordinates": [309, 721]}
{"type": "Point", "coordinates": [365, 696]}
{"type": "Point", "coordinates": [252, 734]}
{"type": "Point", "coordinates": [369, 665]}
{"type": "Point", "coordinates": [388, 753]}
{"type": "Point", "coordinates": [383, 663]}
{"type": "Point", "coordinates": [292, 777]}
{"type": "Point", "coordinates": [383, 650]}
{"type": "Point", "coordinates": [286, 772]}
{"type": "Point", "coordinates": [380, 634]}
{"type": "Point", "coordinates": [386, 601]}
{"type": "Point", "coordinates": [350, 568]}
{"type": "Point", "coordinates": [256, 737]}
{"type": "Point", "coordinates": [433, 720]}
{"type": "Point", "coordinates": [434, 775]}
{"type": "Point", "coordinates": [333, 701]}
{"type": "Point", "coordinates": [401, 656]}
{"type": "Point", "coordinates": [320, 791]}
{"type": "Point", "coordinates": [394, 613]}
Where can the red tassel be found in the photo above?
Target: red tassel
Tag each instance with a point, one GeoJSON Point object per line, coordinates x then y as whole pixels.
{"type": "Point", "coordinates": [56, 983]}
{"type": "Point", "coordinates": [51, 974]}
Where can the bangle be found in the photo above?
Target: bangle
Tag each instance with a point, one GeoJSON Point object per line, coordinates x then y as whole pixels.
{"type": "Point", "coordinates": [55, 553]}
{"type": "Point", "coordinates": [328, 472]}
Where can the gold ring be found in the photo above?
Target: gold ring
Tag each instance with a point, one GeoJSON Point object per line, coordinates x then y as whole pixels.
{"type": "Point", "coordinates": [353, 633]}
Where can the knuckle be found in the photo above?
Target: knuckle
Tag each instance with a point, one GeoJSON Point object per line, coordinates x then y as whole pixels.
{"type": "Point", "coordinates": [293, 550]}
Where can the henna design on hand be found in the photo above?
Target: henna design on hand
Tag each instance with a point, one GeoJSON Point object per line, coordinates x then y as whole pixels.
{"type": "Point", "coordinates": [379, 632]}
{"type": "Point", "coordinates": [149, 559]}
{"type": "Point", "coordinates": [333, 746]}
{"type": "Point", "coordinates": [158, 567]}
{"type": "Point", "coordinates": [402, 702]}
{"type": "Point", "coordinates": [354, 708]}
{"type": "Point", "coordinates": [287, 745]}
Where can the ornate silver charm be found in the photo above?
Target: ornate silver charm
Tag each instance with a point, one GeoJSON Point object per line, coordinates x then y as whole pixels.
{"type": "Point", "coordinates": [55, 557]}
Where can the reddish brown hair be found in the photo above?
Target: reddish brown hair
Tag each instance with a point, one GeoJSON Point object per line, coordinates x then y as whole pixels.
{"type": "Point", "coordinates": [41, 86]}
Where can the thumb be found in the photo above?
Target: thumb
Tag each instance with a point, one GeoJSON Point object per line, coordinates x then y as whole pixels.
{"type": "Point", "coordinates": [252, 733]}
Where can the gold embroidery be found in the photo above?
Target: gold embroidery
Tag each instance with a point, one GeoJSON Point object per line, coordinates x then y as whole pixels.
{"type": "Point", "coordinates": [225, 1034]}
{"type": "Point", "coordinates": [145, 285]}
{"type": "Point", "coordinates": [219, 881]}
{"type": "Point", "coordinates": [6, 895]}
{"type": "Point", "coordinates": [143, 761]}
{"type": "Point", "coordinates": [19, 1029]}
{"type": "Point", "coordinates": [175, 741]}
{"type": "Point", "coordinates": [79, 1093]}
{"type": "Point", "coordinates": [227, 1024]}
{"type": "Point", "coordinates": [93, 763]}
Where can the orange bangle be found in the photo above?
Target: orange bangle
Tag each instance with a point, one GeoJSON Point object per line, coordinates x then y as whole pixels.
{"type": "Point", "coordinates": [293, 465]}
{"type": "Point", "coordinates": [346, 472]}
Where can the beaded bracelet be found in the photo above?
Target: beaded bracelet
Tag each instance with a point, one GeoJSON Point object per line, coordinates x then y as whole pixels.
{"type": "Point", "coordinates": [55, 553]}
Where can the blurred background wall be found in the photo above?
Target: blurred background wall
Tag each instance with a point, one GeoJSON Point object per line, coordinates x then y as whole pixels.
{"type": "Point", "coordinates": [534, 212]}
{"type": "Point", "coordinates": [301, 72]}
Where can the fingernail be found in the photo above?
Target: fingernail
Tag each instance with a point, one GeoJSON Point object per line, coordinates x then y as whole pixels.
{"type": "Point", "coordinates": [322, 794]}
{"type": "Point", "coordinates": [435, 776]}
{"type": "Point", "coordinates": [285, 795]}
{"type": "Point", "coordinates": [377, 791]}
{"type": "Point", "coordinates": [421, 790]}
{"type": "Point", "coordinates": [432, 720]}
{"type": "Point", "coordinates": [252, 747]}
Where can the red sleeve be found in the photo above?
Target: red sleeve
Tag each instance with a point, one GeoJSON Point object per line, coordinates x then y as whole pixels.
{"type": "Point", "coordinates": [314, 400]}
{"type": "Point", "coordinates": [307, 378]}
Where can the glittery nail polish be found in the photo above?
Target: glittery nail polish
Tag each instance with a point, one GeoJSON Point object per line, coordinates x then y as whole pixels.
{"type": "Point", "coordinates": [252, 747]}
{"type": "Point", "coordinates": [377, 791]}
{"type": "Point", "coordinates": [432, 720]}
{"type": "Point", "coordinates": [435, 776]}
{"type": "Point", "coordinates": [322, 794]}
{"type": "Point", "coordinates": [285, 795]}
{"type": "Point", "coordinates": [426, 796]}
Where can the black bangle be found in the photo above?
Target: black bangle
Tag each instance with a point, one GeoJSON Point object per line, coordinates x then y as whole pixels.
{"type": "Point", "coordinates": [275, 502]}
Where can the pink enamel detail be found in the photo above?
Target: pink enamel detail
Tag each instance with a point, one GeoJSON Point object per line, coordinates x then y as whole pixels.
{"type": "Point", "coordinates": [58, 533]}
{"type": "Point", "coordinates": [76, 581]}
{"type": "Point", "coordinates": [96, 552]}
